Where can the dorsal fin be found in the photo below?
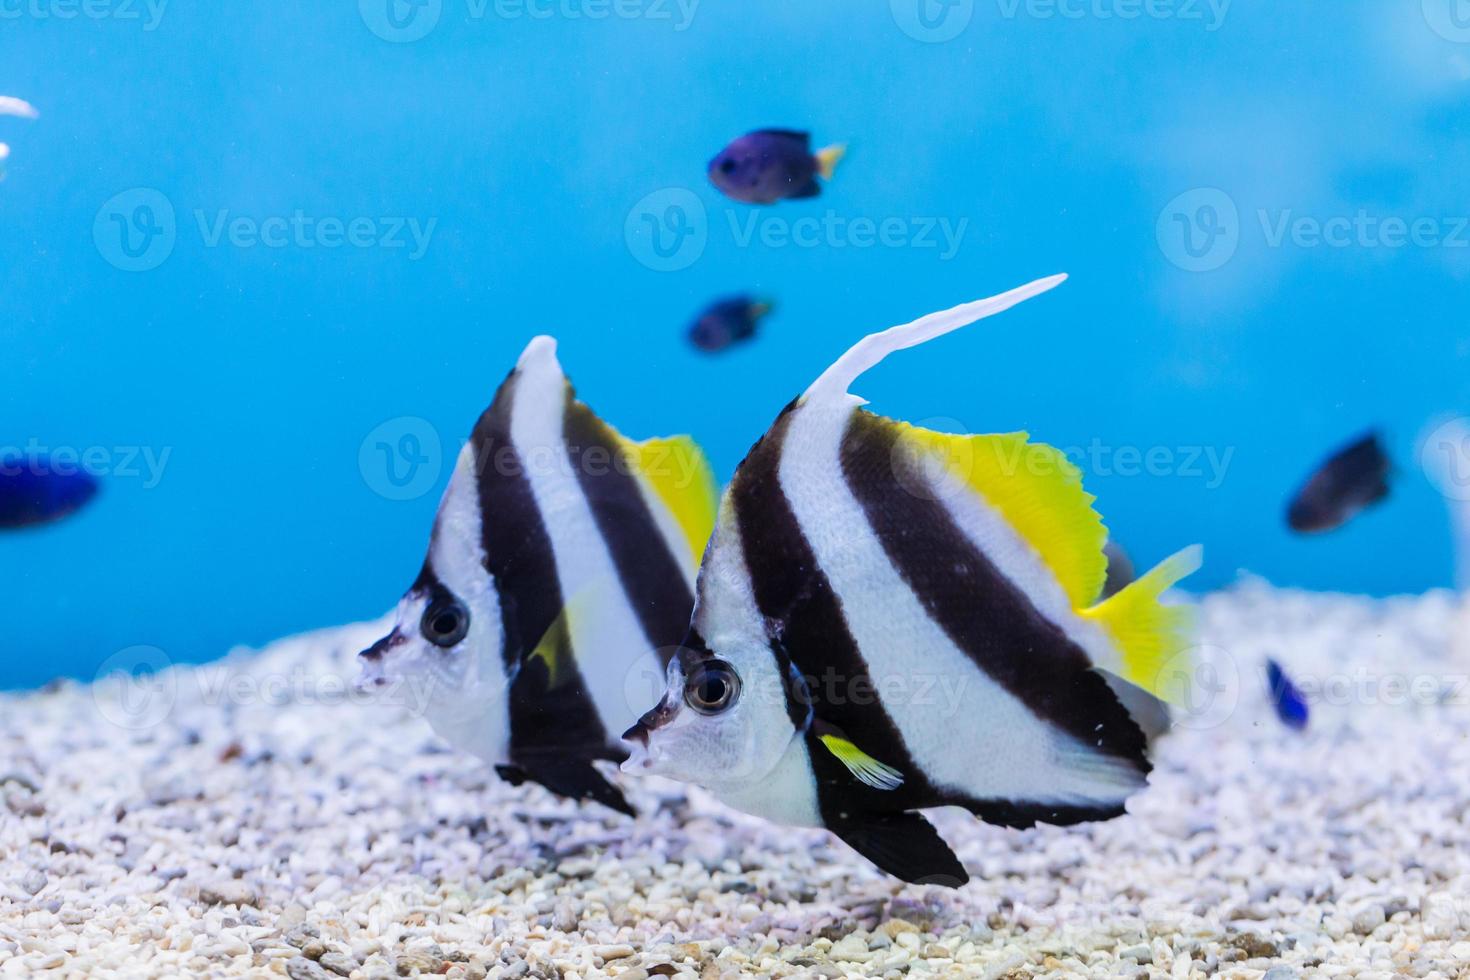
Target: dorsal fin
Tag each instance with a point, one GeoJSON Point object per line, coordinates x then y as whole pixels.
{"type": "Point", "coordinates": [673, 469]}
{"type": "Point", "coordinates": [676, 471]}
{"type": "Point", "coordinates": [1039, 493]}
{"type": "Point", "coordinates": [837, 379]}
{"type": "Point", "coordinates": [794, 134]}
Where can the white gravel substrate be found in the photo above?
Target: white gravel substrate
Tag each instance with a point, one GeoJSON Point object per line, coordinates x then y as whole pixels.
{"type": "Point", "coordinates": [248, 818]}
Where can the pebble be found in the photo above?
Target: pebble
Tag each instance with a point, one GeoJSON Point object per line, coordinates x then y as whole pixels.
{"type": "Point", "coordinates": [301, 968]}
{"type": "Point", "coordinates": [227, 893]}
{"type": "Point", "coordinates": [339, 963]}
{"type": "Point", "coordinates": [342, 840]}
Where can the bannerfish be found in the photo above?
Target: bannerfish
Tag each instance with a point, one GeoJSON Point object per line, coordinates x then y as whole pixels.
{"type": "Point", "coordinates": [36, 490]}
{"type": "Point", "coordinates": [1348, 482]}
{"type": "Point", "coordinates": [770, 165]}
{"type": "Point", "coordinates": [889, 619]}
{"type": "Point", "coordinates": [1286, 697]}
{"type": "Point", "coordinates": [727, 322]}
{"type": "Point", "coordinates": [562, 556]}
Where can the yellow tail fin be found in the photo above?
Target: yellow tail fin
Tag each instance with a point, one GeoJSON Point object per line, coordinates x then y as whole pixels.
{"type": "Point", "coordinates": [1145, 632]}
{"type": "Point", "coordinates": [829, 157]}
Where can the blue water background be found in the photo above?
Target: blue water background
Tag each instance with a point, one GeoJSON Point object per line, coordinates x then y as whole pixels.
{"type": "Point", "coordinates": [1064, 143]}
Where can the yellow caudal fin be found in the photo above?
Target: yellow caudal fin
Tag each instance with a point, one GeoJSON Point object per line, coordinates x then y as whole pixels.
{"type": "Point", "coordinates": [1039, 493]}
{"type": "Point", "coordinates": [1147, 634]}
{"type": "Point", "coordinates": [829, 157]}
{"type": "Point", "coordinates": [675, 471]}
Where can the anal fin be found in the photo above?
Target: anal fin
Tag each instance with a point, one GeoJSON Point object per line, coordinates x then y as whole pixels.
{"type": "Point", "coordinates": [906, 846]}
{"type": "Point", "coordinates": [810, 189]}
{"type": "Point", "coordinates": [514, 775]}
{"type": "Point", "coordinates": [573, 778]}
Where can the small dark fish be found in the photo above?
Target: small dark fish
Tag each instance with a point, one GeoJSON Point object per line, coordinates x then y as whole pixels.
{"type": "Point", "coordinates": [770, 165]}
{"type": "Point", "coordinates": [34, 490]}
{"type": "Point", "coordinates": [1351, 480]}
{"type": "Point", "coordinates": [1120, 570]}
{"type": "Point", "coordinates": [727, 322]}
{"type": "Point", "coordinates": [1286, 697]}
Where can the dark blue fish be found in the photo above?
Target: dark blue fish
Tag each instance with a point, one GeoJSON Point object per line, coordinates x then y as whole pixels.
{"type": "Point", "coordinates": [1286, 697]}
{"type": "Point", "coordinates": [1351, 480]}
{"type": "Point", "coordinates": [770, 165]}
{"type": "Point", "coordinates": [726, 322]}
{"type": "Point", "coordinates": [35, 490]}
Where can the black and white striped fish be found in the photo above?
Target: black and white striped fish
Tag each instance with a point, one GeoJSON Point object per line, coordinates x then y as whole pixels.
{"type": "Point", "coordinates": [563, 555]}
{"type": "Point", "coordinates": [889, 619]}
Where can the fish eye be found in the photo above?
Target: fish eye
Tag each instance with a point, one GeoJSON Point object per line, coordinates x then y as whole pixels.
{"type": "Point", "coordinates": [727, 165]}
{"type": "Point", "coordinates": [713, 687]}
{"type": "Point", "coordinates": [445, 622]}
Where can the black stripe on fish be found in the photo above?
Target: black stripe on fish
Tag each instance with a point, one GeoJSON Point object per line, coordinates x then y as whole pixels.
{"type": "Point", "coordinates": [795, 597]}
{"type": "Point", "coordinates": [650, 574]}
{"type": "Point", "coordinates": [983, 612]}
{"type": "Point", "coordinates": [553, 733]}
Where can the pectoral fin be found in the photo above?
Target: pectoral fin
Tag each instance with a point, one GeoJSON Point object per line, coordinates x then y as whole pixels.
{"type": "Point", "coordinates": [906, 846]}
{"type": "Point", "coordinates": [864, 768]}
{"type": "Point", "coordinates": [555, 649]}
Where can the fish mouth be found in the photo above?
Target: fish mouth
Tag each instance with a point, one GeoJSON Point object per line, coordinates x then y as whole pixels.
{"type": "Point", "coordinates": [637, 734]}
{"type": "Point", "coordinates": [373, 675]}
{"type": "Point", "coordinates": [641, 756]}
{"type": "Point", "coordinates": [639, 759]}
